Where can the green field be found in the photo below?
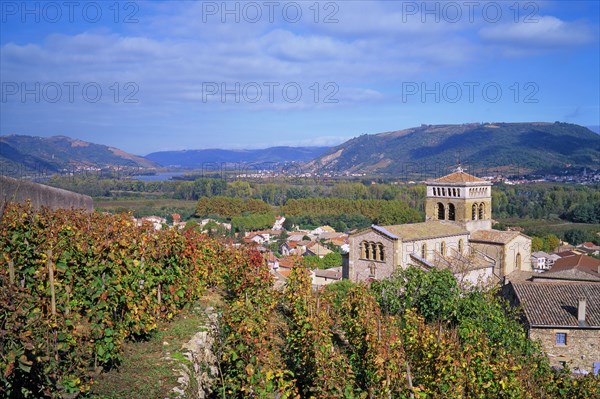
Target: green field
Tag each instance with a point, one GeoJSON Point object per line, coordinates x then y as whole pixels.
{"type": "Point", "coordinates": [541, 227]}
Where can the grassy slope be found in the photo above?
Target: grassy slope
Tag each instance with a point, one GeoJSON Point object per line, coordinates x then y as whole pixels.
{"type": "Point", "coordinates": [148, 370]}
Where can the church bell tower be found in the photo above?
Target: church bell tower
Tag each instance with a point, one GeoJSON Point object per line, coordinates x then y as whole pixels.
{"type": "Point", "coordinates": [462, 198]}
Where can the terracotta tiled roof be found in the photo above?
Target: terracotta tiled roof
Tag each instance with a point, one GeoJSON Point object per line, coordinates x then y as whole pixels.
{"type": "Point", "coordinates": [289, 262]}
{"type": "Point", "coordinates": [565, 254]}
{"type": "Point", "coordinates": [552, 304]}
{"type": "Point", "coordinates": [318, 249]}
{"type": "Point", "coordinates": [494, 236]}
{"type": "Point", "coordinates": [419, 231]}
{"type": "Point", "coordinates": [459, 177]}
{"type": "Point", "coordinates": [578, 267]}
{"type": "Point", "coordinates": [333, 273]}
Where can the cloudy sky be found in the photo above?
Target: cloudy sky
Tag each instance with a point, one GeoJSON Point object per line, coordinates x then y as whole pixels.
{"type": "Point", "coordinates": [150, 76]}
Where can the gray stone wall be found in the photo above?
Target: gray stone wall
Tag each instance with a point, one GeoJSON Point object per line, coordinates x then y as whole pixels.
{"type": "Point", "coordinates": [13, 190]}
{"type": "Point", "coordinates": [581, 350]}
{"type": "Point", "coordinates": [359, 269]}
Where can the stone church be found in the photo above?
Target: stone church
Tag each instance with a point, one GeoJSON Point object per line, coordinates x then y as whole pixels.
{"type": "Point", "coordinates": [457, 234]}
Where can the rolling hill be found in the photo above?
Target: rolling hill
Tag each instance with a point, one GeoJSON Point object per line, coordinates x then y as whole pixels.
{"type": "Point", "coordinates": [22, 155]}
{"type": "Point", "coordinates": [515, 148]}
{"type": "Point", "coordinates": [196, 158]}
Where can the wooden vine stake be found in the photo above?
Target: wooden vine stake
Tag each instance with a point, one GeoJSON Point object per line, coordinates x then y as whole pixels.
{"type": "Point", "coordinates": [11, 272]}
{"type": "Point", "coordinates": [159, 299]}
{"type": "Point", "coordinates": [51, 277]}
{"type": "Point", "coordinates": [68, 305]}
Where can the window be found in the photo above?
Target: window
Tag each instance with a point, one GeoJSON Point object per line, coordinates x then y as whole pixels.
{"type": "Point", "coordinates": [451, 212]}
{"type": "Point", "coordinates": [474, 212]}
{"type": "Point", "coordinates": [460, 246]}
{"type": "Point", "coordinates": [561, 338]}
{"type": "Point", "coordinates": [424, 251]}
{"type": "Point", "coordinates": [518, 261]}
{"type": "Point", "coordinates": [481, 211]}
{"type": "Point", "coordinates": [443, 248]}
{"type": "Point", "coordinates": [441, 212]}
{"type": "Point", "coordinates": [372, 251]}
{"type": "Point", "coordinates": [380, 252]}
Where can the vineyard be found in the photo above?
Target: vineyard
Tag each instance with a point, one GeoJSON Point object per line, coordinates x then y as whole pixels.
{"type": "Point", "coordinates": [75, 286]}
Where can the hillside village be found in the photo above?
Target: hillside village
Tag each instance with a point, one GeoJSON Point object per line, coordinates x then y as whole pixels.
{"type": "Point", "coordinates": [454, 236]}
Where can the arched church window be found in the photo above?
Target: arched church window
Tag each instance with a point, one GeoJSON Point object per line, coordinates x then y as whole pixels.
{"type": "Point", "coordinates": [443, 248]}
{"type": "Point", "coordinates": [367, 250]}
{"type": "Point", "coordinates": [461, 245]}
{"type": "Point", "coordinates": [458, 192]}
{"type": "Point", "coordinates": [451, 212]}
{"type": "Point", "coordinates": [474, 212]}
{"type": "Point", "coordinates": [381, 252]}
{"type": "Point", "coordinates": [424, 251]}
{"type": "Point", "coordinates": [518, 261]}
{"type": "Point", "coordinates": [441, 212]}
{"type": "Point", "coordinates": [481, 211]}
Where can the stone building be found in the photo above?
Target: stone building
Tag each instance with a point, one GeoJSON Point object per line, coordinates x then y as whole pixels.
{"type": "Point", "coordinates": [456, 234]}
{"type": "Point", "coordinates": [565, 318]}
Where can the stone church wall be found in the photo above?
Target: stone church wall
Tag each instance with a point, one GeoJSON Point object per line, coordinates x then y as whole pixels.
{"type": "Point", "coordinates": [359, 269]}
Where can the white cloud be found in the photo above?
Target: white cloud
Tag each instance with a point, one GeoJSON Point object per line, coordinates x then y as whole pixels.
{"type": "Point", "coordinates": [547, 32]}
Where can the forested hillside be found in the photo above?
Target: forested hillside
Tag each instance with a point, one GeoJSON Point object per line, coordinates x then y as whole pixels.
{"type": "Point", "coordinates": [514, 148]}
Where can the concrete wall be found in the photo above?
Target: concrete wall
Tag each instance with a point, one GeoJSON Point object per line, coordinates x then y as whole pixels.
{"type": "Point", "coordinates": [13, 190]}
{"type": "Point", "coordinates": [581, 351]}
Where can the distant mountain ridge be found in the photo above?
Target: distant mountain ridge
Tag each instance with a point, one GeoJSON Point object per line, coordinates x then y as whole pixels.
{"type": "Point", "coordinates": [21, 155]}
{"type": "Point", "coordinates": [198, 158]}
{"type": "Point", "coordinates": [526, 147]}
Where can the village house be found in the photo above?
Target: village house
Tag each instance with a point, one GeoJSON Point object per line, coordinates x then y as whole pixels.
{"type": "Point", "coordinates": [589, 248]}
{"type": "Point", "coordinates": [542, 261]}
{"type": "Point", "coordinates": [577, 268]}
{"type": "Point", "coordinates": [564, 317]}
{"type": "Point", "coordinates": [278, 225]}
{"type": "Point", "coordinates": [156, 221]}
{"type": "Point", "coordinates": [316, 249]}
{"type": "Point", "coordinates": [322, 277]}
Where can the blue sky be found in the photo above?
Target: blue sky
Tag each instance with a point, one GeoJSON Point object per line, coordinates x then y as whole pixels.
{"type": "Point", "coordinates": [151, 76]}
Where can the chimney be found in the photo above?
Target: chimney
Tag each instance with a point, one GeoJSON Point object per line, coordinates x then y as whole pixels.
{"type": "Point", "coordinates": [581, 311]}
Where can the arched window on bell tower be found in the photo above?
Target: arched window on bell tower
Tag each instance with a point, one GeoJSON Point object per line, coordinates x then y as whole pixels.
{"type": "Point", "coordinates": [474, 212]}
{"type": "Point", "coordinates": [451, 212]}
{"type": "Point", "coordinates": [441, 211]}
{"type": "Point", "coordinates": [481, 211]}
